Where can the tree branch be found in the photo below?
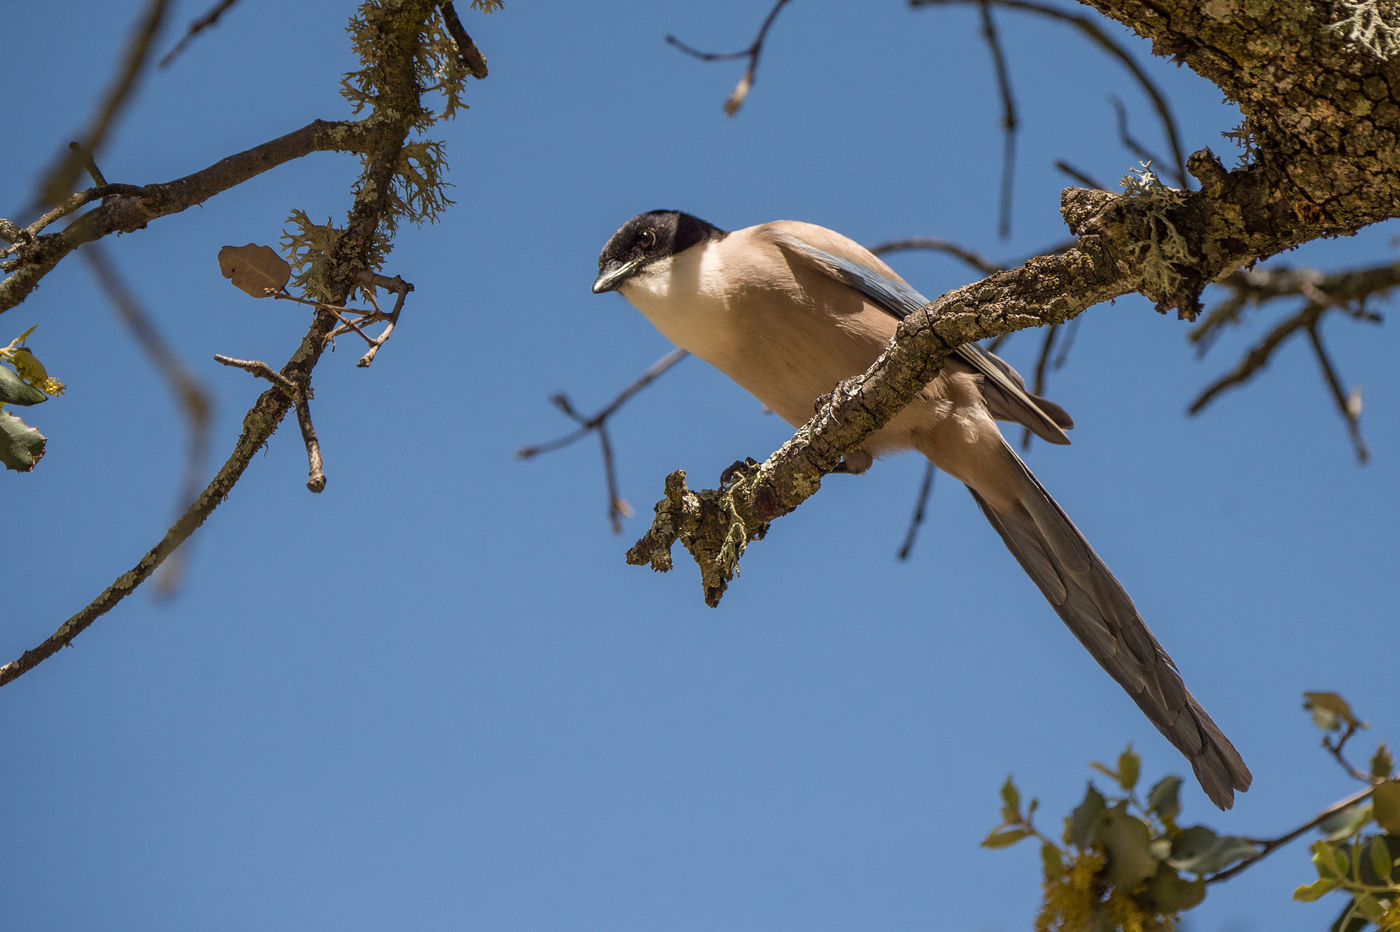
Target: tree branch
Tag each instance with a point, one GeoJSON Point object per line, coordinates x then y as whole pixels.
{"type": "Point", "coordinates": [741, 90]}
{"type": "Point", "coordinates": [395, 112]}
{"type": "Point", "coordinates": [125, 208]}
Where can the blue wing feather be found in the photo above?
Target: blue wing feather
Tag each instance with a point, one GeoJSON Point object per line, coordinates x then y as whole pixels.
{"type": "Point", "coordinates": [900, 299]}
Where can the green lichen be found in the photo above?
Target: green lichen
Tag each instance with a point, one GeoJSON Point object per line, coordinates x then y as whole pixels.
{"type": "Point", "coordinates": [1157, 256]}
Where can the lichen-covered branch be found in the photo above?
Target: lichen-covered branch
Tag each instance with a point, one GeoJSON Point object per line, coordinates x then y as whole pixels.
{"type": "Point", "coordinates": [393, 94]}
{"type": "Point", "coordinates": [32, 253]}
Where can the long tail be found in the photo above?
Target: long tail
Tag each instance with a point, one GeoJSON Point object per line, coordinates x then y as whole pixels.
{"type": "Point", "coordinates": [1092, 602]}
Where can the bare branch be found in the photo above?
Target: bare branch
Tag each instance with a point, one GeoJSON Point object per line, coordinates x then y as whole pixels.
{"type": "Point", "coordinates": [1008, 115]}
{"type": "Point", "coordinates": [316, 475]}
{"type": "Point", "coordinates": [1092, 29]}
{"type": "Point", "coordinates": [399, 287]}
{"type": "Point", "coordinates": [977, 261]}
{"type": "Point", "coordinates": [126, 208]}
{"type": "Point", "coordinates": [1257, 357]}
{"type": "Point", "coordinates": [262, 370]}
{"type": "Point", "coordinates": [1345, 292]}
{"type": "Point", "coordinates": [196, 27]}
{"type": "Point", "coordinates": [472, 61]}
{"type": "Point", "coordinates": [741, 90]}
{"type": "Point", "coordinates": [1349, 409]}
{"type": "Point", "coordinates": [617, 506]}
{"type": "Point", "coordinates": [589, 423]}
{"type": "Point", "coordinates": [916, 521]}
{"type": "Point", "coordinates": [1268, 845]}
{"type": "Point", "coordinates": [394, 113]}
{"type": "Point", "coordinates": [89, 163]}
{"type": "Point", "coordinates": [1083, 178]}
{"type": "Point", "coordinates": [1144, 154]}
{"type": "Point", "coordinates": [191, 398]}
{"type": "Point", "coordinates": [64, 175]}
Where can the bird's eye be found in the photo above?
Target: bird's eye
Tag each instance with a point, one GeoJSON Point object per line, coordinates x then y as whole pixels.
{"type": "Point", "coordinates": [646, 239]}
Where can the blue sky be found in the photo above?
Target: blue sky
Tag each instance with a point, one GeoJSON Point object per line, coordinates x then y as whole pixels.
{"type": "Point", "coordinates": [436, 697]}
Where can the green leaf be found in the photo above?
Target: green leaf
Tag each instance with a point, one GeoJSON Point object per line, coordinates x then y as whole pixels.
{"type": "Point", "coordinates": [1368, 906]}
{"type": "Point", "coordinates": [1348, 920]}
{"type": "Point", "coordinates": [21, 446]}
{"type": "Point", "coordinates": [1126, 775]}
{"type": "Point", "coordinates": [1052, 864]}
{"type": "Point", "coordinates": [1189, 843]}
{"type": "Point", "coordinates": [1080, 830]}
{"type": "Point", "coordinates": [1010, 802]}
{"type": "Point", "coordinates": [1165, 798]}
{"type": "Point", "coordinates": [1127, 841]}
{"type": "Point", "coordinates": [1346, 823]}
{"type": "Point", "coordinates": [1315, 890]}
{"type": "Point", "coordinates": [1004, 838]}
{"type": "Point", "coordinates": [1331, 861]}
{"type": "Point", "coordinates": [1171, 893]}
{"type": "Point", "coordinates": [1199, 850]}
{"type": "Point", "coordinates": [1129, 768]}
{"type": "Point", "coordinates": [1382, 763]}
{"type": "Point", "coordinates": [1378, 856]}
{"type": "Point", "coordinates": [1330, 711]}
{"type": "Point", "coordinates": [15, 391]}
{"type": "Point", "coordinates": [1385, 803]}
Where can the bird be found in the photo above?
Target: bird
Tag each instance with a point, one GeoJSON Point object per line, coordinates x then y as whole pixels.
{"type": "Point", "coordinates": [788, 310]}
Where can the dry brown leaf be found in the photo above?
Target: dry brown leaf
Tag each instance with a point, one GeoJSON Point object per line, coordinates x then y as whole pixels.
{"type": "Point", "coordinates": [254, 269]}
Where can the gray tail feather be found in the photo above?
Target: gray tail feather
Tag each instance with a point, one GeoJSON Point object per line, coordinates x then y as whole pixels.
{"type": "Point", "coordinates": [1085, 593]}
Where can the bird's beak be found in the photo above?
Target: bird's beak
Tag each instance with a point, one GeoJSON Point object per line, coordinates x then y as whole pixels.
{"type": "Point", "coordinates": [615, 274]}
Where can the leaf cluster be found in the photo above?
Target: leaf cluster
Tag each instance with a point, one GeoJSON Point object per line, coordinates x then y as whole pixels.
{"type": "Point", "coordinates": [1121, 862]}
{"type": "Point", "coordinates": [1359, 852]}
{"type": "Point", "coordinates": [23, 381]}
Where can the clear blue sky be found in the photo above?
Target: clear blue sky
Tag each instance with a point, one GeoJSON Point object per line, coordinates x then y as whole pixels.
{"type": "Point", "coordinates": [436, 697]}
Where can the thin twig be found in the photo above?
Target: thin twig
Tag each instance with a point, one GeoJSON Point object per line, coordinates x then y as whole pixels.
{"type": "Point", "coordinates": [1346, 291]}
{"type": "Point", "coordinates": [196, 27]}
{"type": "Point", "coordinates": [394, 114]}
{"type": "Point", "coordinates": [1096, 34]}
{"type": "Point", "coordinates": [1346, 407]}
{"type": "Point", "coordinates": [262, 370]}
{"type": "Point", "coordinates": [60, 180]}
{"type": "Point", "coordinates": [72, 203]}
{"type": "Point", "coordinates": [191, 398]}
{"type": "Point", "coordinates": [399, 287]}
{"type": "Point", "coordinates": [316, 478]}
{"type": "Point", "coordinates": [920, 505]}
{"type": "Point", "coordinates": [88, 162]}
{"type": "Point", "coordinates": [126, 208]}
{"type": "Point", "coordinates": [617, 506]}
{"type": "Point", "coordinates": [1269, 845]}
{"type": "Point", "coordinates": [1338, 747]}
{"type": "Point", "coordinates": [470, 57]}
{"type": "Point", "coordinates": [752, 53]}
{"type": "Point", "coordinates": [978, 262]}
{"type": "Point", "coordinates": [1042, 365]}
{"type": "Point", "coordinates": [1008, 116]}
{"type": "Point", "coordinates": [1137, 148]}
{"type": "Point", "coordinates": [1082, 177]}
{"type": "Point", "coordinates": [1257, 357]}
{"type": "Point", "coordinates": [588, 424]}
